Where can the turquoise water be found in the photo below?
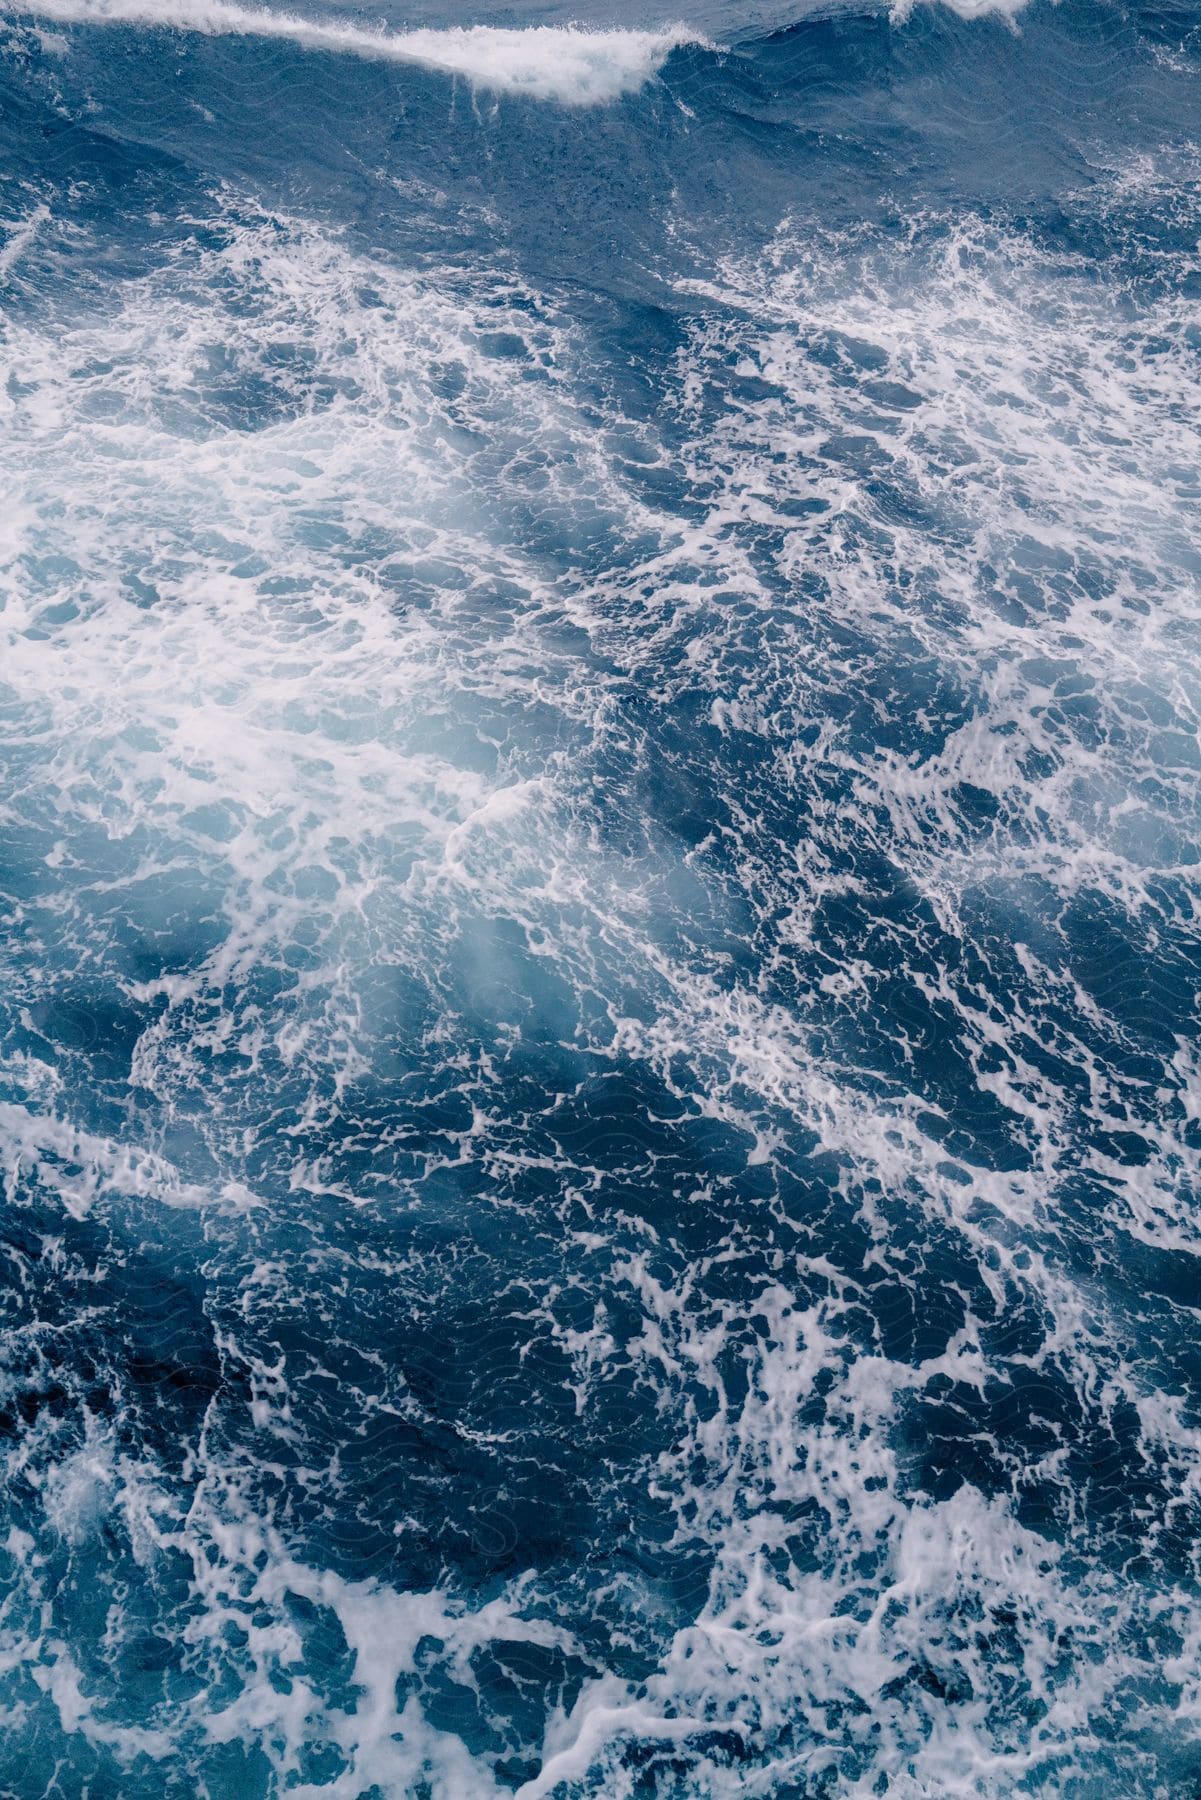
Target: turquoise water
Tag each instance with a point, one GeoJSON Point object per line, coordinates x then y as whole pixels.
{"type": "Point", "coordinates": [599, 884]}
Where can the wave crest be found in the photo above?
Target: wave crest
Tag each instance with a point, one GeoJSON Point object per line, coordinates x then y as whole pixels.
{"type": "Point", "coordinates": [569, 64]}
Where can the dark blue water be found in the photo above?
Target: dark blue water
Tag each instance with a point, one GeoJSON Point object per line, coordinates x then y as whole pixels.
{"type": "Point", "coordinates": [600, 816]}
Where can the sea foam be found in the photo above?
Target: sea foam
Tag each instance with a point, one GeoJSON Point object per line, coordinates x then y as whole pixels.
{"type": "Point", "coordinates": [564, 63]}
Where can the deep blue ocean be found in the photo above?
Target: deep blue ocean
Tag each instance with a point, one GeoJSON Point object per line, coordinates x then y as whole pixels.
{"type": "Point", "coordinates": [600, 900]}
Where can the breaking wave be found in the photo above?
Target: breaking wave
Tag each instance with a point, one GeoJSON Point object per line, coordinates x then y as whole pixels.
{"type": "Point", "coordinates": [574, 66]}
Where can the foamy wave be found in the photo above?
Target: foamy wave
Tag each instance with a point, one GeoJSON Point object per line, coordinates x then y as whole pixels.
{"type": "Point", "coordinates": [568, 64]}
{"type": "Point", "coordinates": [901, 10]}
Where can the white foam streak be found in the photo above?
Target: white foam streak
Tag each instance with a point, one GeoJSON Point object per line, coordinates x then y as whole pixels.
{"type": "Point", "coordinates": [563, 63]}
{"type": "Point", "coordinates": [21, 234]}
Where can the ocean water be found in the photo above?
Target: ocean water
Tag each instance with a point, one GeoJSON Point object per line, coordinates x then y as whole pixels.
{"type": "Point", "coordinates": [600, 900]}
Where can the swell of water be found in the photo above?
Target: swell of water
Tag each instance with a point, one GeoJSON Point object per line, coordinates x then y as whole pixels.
{"type": "Point", "coordinates": [599, 872]}
{"type": "Point", "coordinates": [573, 66]}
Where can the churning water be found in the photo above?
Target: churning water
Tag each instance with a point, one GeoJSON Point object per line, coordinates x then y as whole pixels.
{"type": "Point", "coordinates": [600, 815]}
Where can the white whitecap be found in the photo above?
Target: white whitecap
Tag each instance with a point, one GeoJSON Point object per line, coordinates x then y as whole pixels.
{"type": "Point", "coordinates": [564, 63]}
